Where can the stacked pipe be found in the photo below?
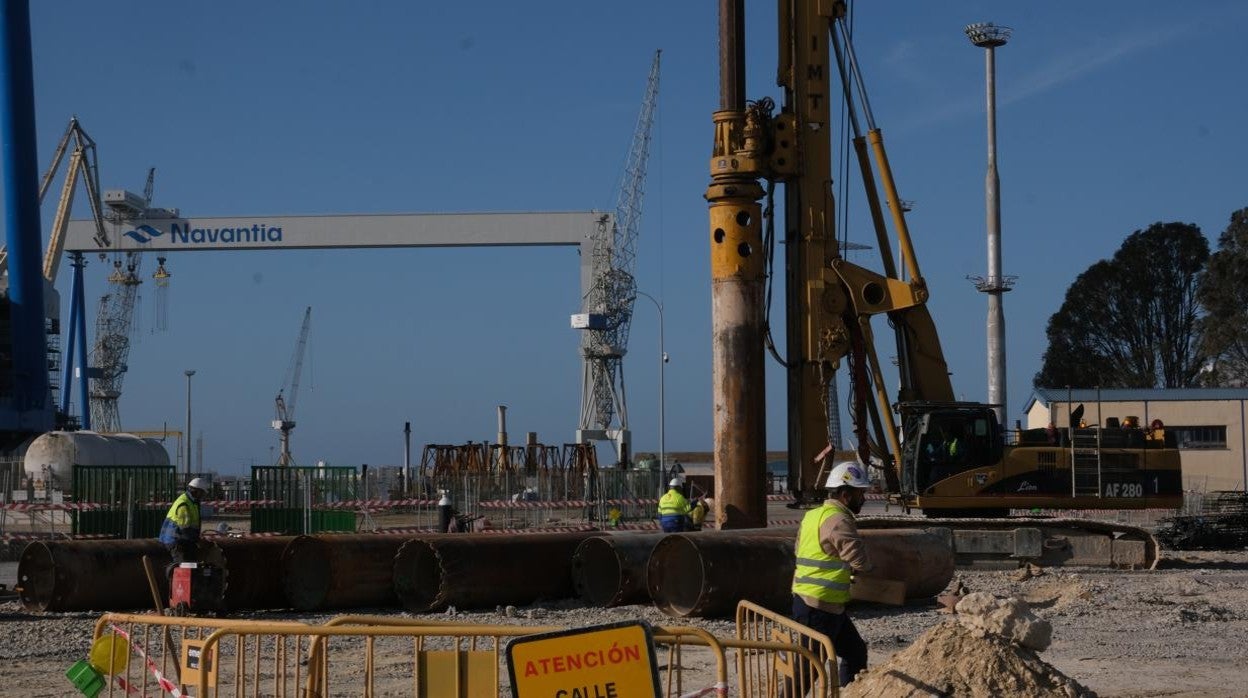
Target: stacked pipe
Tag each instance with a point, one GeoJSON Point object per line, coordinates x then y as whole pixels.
{"type": "Point", "coordinates": [690, 574]}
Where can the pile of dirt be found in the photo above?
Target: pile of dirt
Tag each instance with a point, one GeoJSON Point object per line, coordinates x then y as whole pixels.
{"type": "Point", "coordinates": [1057, 592]}
{"type": "Point", "coordinates": [990, 650]}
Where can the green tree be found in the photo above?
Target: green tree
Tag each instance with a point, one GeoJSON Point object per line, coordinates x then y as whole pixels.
{"type": "Point", "coordinates": [1224, 295]}
{"type": "Point", "coordinates": [1131, 321]}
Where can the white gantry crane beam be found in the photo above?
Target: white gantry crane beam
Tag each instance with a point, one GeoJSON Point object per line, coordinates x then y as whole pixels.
{"type": "Point", "coordinates": [608, 307]}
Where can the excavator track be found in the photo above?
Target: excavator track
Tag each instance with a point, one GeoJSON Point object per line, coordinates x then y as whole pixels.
{"type": "Point", "coordinates": [1048, 542]}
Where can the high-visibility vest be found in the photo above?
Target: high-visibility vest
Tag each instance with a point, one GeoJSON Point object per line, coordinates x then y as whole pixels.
{"type": "Point", "coordinates": [817, 574]}
{"type": "Point", "coordinates": [182, 521]}
{"type": "Point", "coordinates": [673, 504]}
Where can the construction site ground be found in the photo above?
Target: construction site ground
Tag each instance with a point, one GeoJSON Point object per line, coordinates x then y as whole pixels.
{"type": "Point", "coordinates": [1175, 631]}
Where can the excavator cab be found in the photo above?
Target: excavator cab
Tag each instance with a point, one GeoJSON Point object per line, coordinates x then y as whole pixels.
{"type": "Point", "coordinates": [941, 440]}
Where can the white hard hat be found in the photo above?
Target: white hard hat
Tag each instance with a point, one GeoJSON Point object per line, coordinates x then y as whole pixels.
{"type": "Point", "coordinates": [848, 473]}
{"type": "Point", "coordinates": [199, 483]}
{"type": "Point", "coordinates": [674, 483]}
{"type": "Point", "coordinates": [445, 501]}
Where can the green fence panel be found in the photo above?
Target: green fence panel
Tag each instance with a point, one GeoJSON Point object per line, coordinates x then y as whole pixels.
{"type": "Point", "coordinates": [293, 488]}
{"type": "Point", "coordinates": [130, 497]}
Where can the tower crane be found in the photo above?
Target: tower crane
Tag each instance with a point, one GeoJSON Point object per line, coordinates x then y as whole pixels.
{"type": "Point", "coordinates": [608, 307]}
{"type": "Point", "coordinates": [284, 419]}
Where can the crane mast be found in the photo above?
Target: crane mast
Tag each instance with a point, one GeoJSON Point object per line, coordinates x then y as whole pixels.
{"type": "Point", "coordinates": [114, 320]}
{"type": "Point", "coordinates": [284, 417]}
{"type": "Point", "coordinates": [609, 302]}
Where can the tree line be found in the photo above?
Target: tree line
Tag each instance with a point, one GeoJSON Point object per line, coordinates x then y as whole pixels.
{"type": "Point", "coordinates": [1163, 312]}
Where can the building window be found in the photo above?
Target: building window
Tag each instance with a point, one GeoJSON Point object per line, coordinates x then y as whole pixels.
{"type": "Point", "coordinates": [1199, 437]}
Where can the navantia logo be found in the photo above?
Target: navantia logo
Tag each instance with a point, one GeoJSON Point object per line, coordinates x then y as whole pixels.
{"type": "Point", "coordinates": [143, 234]}
{"type": "Point", "coordinates": [184, 234]}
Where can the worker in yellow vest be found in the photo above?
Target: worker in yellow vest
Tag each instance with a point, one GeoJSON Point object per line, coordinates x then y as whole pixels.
{"type": "Point", "coordinates": [180, 530]}
{"type": "Point", "coordinates": [829, 550]}
{"type": "Point", "coordinates": [674, 509]}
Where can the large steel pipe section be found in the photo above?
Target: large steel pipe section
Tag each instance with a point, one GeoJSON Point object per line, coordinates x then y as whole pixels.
{"type": "Point", "coordinates": [610, 570]}
{"type": "Point", "coordinates": [483, 571]}
{"type": "Point", "coordinates": [251, 581]}
{"type": "Point", "coordinates": [347, 571]}
{"type": "Point", "coordinates": [103, 575]}
{"type": "Point", "coordinates": [108, 575]}
{"type": "Point", "coordinates": [705, 576]}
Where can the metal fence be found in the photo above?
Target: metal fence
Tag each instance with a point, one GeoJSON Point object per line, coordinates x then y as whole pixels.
{"type": "Point", "coordinates": [365, 655]}
{"type": "Point", "coordinates": [130, 501]}
{"type": "Point", "coordinates": [298, 495]}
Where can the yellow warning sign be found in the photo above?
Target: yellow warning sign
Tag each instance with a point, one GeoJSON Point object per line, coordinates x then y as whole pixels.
{"type": "Point", "coordinates": [603, 661]}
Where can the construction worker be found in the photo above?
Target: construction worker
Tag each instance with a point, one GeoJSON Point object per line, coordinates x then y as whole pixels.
{"type": "Point", "coordinates": [674, 509]}
{"type": "Point", "coordinates": [829, 550]}
{"type": "Point", "coordinates": [180, 531]}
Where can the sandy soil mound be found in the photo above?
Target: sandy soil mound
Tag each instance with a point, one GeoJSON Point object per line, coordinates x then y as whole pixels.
{"type": "Point", "coordinates": [951, 660]}
{"type": "Point", "coordinates": [1057, 592]}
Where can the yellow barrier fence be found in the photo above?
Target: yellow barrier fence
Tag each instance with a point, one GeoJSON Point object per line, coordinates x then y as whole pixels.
{"type": "Point", "coordinates": [784, 673]}
{"type": "Point", "coordinates": [380, 655]}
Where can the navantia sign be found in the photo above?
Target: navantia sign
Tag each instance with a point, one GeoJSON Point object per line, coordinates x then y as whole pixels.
{"type": "Point", "coordinates": [602, 661]}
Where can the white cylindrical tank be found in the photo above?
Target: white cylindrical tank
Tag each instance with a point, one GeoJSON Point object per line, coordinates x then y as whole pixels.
{"type": "Point", "coordinates": [52, 456]}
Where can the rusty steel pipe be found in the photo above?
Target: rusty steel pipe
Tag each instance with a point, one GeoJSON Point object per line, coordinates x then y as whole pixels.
{"type": "Point", "coordinates": [107, 575]}
{"type": "Point", "coordinates": [97, 575]}
{"type": "Point", "coordinates": [345, 571]}
{"type": "Point", "coordinates": [484, 570]}
{"type": "Point", "coordinates": [706, 576]}
{"type": "Point", "coordinates": [249, 562]}
{"type": "Point", "coordinates": [610, 569]}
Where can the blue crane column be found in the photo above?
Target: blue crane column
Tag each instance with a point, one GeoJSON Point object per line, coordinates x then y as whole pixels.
{"type": "Point", "coordinates": [22, 229]}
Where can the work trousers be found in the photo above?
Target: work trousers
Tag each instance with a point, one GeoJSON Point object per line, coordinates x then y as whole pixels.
{"type": "Point", "coordinates": [673, 523]}
{"type": "Point", "coordinates": [849, 646]}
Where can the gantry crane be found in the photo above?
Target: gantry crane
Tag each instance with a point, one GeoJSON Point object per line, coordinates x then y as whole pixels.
{"type": "Point", "coordinates": [284, 419]}
{"type": "Point", "coordinates": [608, 307]}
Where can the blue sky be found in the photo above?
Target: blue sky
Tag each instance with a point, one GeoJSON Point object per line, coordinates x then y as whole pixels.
{"type": "Point", "coordinates": [1112, 115]}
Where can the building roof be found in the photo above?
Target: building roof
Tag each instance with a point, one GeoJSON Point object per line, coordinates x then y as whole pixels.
{"type": "Point", "coordinates": [1047, 396]}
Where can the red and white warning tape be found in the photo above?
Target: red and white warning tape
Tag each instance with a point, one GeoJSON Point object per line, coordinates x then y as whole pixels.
{"type": "Point", "coordinates": [165, 684]}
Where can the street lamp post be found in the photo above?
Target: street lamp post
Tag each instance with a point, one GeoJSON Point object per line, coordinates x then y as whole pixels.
{"type": "Point", "coordinates": [662, 402]}
{"type": "Point", "coordinates": [188, 373]}
{"type": "Point", "coordinates": [989, 37]}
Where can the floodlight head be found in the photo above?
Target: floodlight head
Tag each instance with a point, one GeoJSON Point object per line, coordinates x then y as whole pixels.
{"type": "Point", "coordinates": [987, 34]}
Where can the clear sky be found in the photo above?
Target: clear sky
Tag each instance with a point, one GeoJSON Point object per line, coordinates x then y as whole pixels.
{"type": "Point", "coordinates": [1112, 115]}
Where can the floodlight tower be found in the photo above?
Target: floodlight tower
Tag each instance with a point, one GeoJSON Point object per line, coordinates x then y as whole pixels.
{"type": "Point", "coordinates": [989, 36]}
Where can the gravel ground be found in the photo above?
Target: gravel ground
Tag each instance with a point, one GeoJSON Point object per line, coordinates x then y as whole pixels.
{"type": "Point", "coordinates": [1175, 631]}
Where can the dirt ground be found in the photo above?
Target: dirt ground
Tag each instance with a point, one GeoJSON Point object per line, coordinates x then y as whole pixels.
{"type": "Point", "coordinates": [1176, 631]}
